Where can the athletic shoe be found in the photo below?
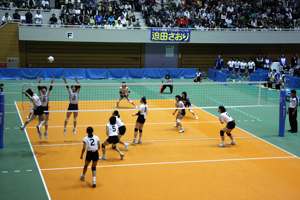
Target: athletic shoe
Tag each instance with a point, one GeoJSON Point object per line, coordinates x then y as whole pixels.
{"type": "Point", "coordinates": [94, 183]}
{"type": "Point", "coordinates": [175, 125]}
{"type": "Point", "coordinates": [122, 155]}
{"type": "Point", "coordinates": [65, 131]}
{"type": "Point", "coordinates": [46, 135]}
{"type": "Point", "coordinates": [22, 128]}
{"type": "Point", "coordinates": [127, 146]}
{"type": "Point", "coordinates": [82, 177]}
{"type": "Point", "coordinates": [74, 131]}
{"type": "Point", "coordinates": [232, 143]}
{"type": "Point", "coordinates": [293, 131]}
{"type": "Point", "coordinates": [134, 141]}
{"type": "Point", "coordinates": [222, 145]}
{"type": "Point", "coordinates": [181, 131]}
{"type": "Point", "coordinates": [28, 116]}
{"type": "Point", "coordinates": [116, 106]}
{"type": "Point", "coordinates": [135, 106]}
{"type": "Point", "coordinates": [102, 158]}
{"type": "Point", "coordinates": [140, 141]}
{"type": "Point", "coordinates": [196, 117]}
{"type": "Point", "coordinates": [288, 130]}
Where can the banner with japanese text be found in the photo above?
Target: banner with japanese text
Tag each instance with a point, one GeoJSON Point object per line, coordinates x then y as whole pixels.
{"type": "Point", "coordinates": [170, 34]}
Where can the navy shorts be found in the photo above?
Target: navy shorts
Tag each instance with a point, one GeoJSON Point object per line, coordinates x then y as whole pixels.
{"type": "Point", "coordinates": [141, 119]}
{"type": "Point", "coordinates": [124, 96]}
{"type": "Point", "coordinates": [38, 111]}
{"type": "Point", "coordinates": [90, 155]}
{"type": "Point", "coordinates": [250, 71]}
{"type": "Point", "coordinates": [230, 125]}
{"type": "Point", "coordinates": [113, 139]}
{"type": "Point", "coordinates": [122, 130]}
{"type": "Point", "coordinates": [183, 112]}
{"type": "Point", "coordinates": [46, 108]}
{"type": "Point", "coordinates": [242, 71]}
{"type": "Point", "coordinates": [236, 69]}
{"type": "Point", "coordinates": [73, 107]}
{"type": "Point", "coordinates": [229, 68]}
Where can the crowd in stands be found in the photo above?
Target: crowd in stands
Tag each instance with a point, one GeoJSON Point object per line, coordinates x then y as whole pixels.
{"type": "Point", "coordinates": [25, 4]}
{"type": "Point", "coordinates": [221, 14]}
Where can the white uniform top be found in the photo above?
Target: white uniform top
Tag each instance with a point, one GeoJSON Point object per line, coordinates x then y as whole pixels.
{"type": "Point", "coordinates": [112, 129]}
{"type": "Point", "coordinates": [180, 104]}
{"type": "Point", "coordinates": [251, 65]}
{"type": "Point", "coordinates": [294, 101]}
{"type": "Point", "coordinates": [124, 91]}
{"type": "Point", "coordinates": [36, 101]}
{"type": "Point", "coordinates": [243, 65]}
{"type": "Point", "coordinates": [44, 99]}
{"type": "Point", "coordinates": [237, 64]}
{"type": "Point", "coordinates": [143, 110]}
{"type": "Point", "coordinates": [91, 143]}
{"type": "Point", "coordinates": [73, 97]}
{"type": "Point", "coordinates": [282, 78]}
{"type": "Point", "coordinates": [225, 117]}
{"type": "Point", "coordinates": [230, 63]}
{"type": "Point", "coordinates": [119, 122]}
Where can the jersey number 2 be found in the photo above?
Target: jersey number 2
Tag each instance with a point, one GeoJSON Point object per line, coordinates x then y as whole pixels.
{"type": "Point", "coordinates": [92, 142]}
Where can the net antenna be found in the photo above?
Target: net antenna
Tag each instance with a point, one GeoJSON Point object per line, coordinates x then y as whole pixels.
{"type": "Point", "coordinates": [104, 97]}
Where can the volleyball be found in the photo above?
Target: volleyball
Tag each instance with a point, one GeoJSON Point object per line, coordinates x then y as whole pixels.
{"type": "Point", "coordinates": [50, 59]}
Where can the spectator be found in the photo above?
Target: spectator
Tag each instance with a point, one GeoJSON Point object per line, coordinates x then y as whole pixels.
{"type": "Point", "coordinates": [282, 62]}
{"type": "Point", "coordinates": [133, 20]}
{"type": "Point", "coordinates": [86, 19]}
{"type": "Point", "coordinates": [137, 25]}
{"type": "Point", "coordinates": [107, 25]}
{"type": "Point", "coordinates": [130, 25]}
{"type": "Point", "coordinates": [127, 6]}
{"type": "Point", "coordinates": [167, 79]}
{"type": "Point", "coordinates": [280, 81]}
{"type": "Point", "coordinates": [122, 20]}
{"type": "Point", "coordinates": [53, 19]}
{"type": "Point", "coordinates": [6, 18]}
{"type": "Point", "coordinates": [219, 63]}
{"type": "Point", "coordinates": [38, 18]}
{"type": "Point", "coordinates": [113, 25]}
{"type": "Point", "coordinates": [28, 17]}
{"type": "Point", "coordinates": [273, 78]}
{"type": "Point", "coordinates": [119, 25]}
{"type": "Point", "coordinates": [294, 61]}
{"type": "Point", "coordinates": [44, 3]}
{"type": "Point", "coordinates": [99, 18]}
{"type": "Point", "coordinates": [111, 19]}
{"type": "Point", "coordinates": [16, 15]}
{"type": "Point", "coordinates": [259, 61]}
{"type": "Point", "coordinates": [47, 8]}
{"type": "Point", "coordinates": [267, 62]}
{"type": "Point", "coordinates": [198, 77]}
{"type": "Point", "coordinates": [31, 3]}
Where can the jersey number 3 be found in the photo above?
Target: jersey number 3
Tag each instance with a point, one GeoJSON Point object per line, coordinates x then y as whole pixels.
{"type": "Point", "coordinates": [92, 142]}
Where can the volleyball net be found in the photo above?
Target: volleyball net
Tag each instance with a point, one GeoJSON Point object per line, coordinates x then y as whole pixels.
{"type": "Point", "coordinates": [103, 97]}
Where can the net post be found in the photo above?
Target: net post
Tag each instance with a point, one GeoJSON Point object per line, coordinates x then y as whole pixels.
{"type": "Point", "coordinates": [2, 112]}
{"type": "Point", "coordinates": [259, 94]}
{"type": "Point", "coordinates": [282, 113]}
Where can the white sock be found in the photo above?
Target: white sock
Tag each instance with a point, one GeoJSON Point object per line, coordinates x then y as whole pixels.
{"type": "Point", "coordinates": [223, 142]}
{"type": "Point", "coordinates": [94, 178]}
{"type": "Point", "coordinates": [233, 140]}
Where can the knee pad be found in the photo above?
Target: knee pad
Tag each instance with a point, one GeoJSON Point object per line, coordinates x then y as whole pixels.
{"type": "Point", "coordinates": [93, 168]}
{"type": "Point", "coordinates": [178, 120]}
{"type": "Point", "coordinates": [75, 119]}
{"type": "Point", "coordinates": [67, 119]}
{"type": "Point", "coordinates": [130, 101]}
{"type": "Point", "coordinates": [222, 132]}
{"type": "Point", "coordinates": [103, 146]}
{"type": "Point", "coordinates": [229, 134]}
{"type": "Point", "coordinates": [140, 130]}
{"type": "Point", "coordinates": [135, 129]}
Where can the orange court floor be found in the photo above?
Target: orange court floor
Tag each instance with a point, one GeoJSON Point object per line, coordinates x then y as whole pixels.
{"type": "Point", "coordinates": [168, 164]}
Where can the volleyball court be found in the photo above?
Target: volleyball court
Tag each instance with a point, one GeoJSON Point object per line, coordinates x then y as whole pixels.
{"type": "Point", "coordinates": [168, 164]}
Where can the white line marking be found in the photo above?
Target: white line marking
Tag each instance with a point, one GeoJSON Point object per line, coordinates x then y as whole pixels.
{"type": "Point", "coordinates": [245, 120]}
{"type": "Point", "coordinates": [10, 112]}
{"type": "Point", "coordinates": [9, 104]}
{"type": "Point", "coordinates": [12, 92]}
{"type": "Point", "coordinates": [17, 170]}
{"type": "Point", "coordinates": [259, 137]}
{"type": "Point", "coordinates": [177, 162]}
{"type": "Point", "coordinates": [7, 128]}
{"type": "Point", "coordinates": [204, 122]}
{"type": "Point", "coordinates": [29, 170]}
{"type": "Point", "coordinates": [168, 140]}
{"type": "Point", "coordinates": [36, 162]}
{"type": "Point", "coordinates": [4, 172]}
{"type": "Point", "coordinates": [16, 127]}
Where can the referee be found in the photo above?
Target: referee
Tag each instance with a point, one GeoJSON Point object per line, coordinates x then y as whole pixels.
{"type": "Point", "coordinates": [292, 111]}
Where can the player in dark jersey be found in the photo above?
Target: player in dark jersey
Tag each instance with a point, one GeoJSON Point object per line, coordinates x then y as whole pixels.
{"type": "Point", "coordinates": [187, 103]}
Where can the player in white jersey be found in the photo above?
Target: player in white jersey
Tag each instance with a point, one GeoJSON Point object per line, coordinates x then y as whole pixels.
{"type": "Point", "coordinates": [124, 93]}
{"type": "Point", "coordinates": [112, 133]}
{"type": "Point", "coordinates": [44, 96]}
{"type": "Point", "coordinates": [181, 112]}
{"type": "Point", "coordinates": [243, 66]}
{"type": "Point", "coordinates": [230, 64]}
{"type": "Point", "coordinates": [236, 68]}
{"type": "Point", "coordinates": [91, 145]}
{"type": "Point", "coordinates": [37, 110]}
{"type": "Point", "coordinates": [225, 117]}
{"type": "Point", "coordinates": [142, 115]}
{"type": "Point", "coordinates": [121, 127]}
{"type": "Point", "coordinates": [73, 106]}
{"type": "Point", "coordinates": [251, 68]}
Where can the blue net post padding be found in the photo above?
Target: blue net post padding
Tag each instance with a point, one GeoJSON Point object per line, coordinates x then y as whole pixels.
{"type": "Point", "coordinates": [282, 113]}
{"type": "Point", "coordinates": [1, 119]}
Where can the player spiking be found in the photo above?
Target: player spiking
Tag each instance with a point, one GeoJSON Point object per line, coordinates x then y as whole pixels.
{"type": "Point", "coordinates": [187, 103]}
{"type": "Point", "coordinates": [124, 93]}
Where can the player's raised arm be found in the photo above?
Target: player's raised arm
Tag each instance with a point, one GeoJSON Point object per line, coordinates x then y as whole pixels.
{"type": "Point", "coordinates": [30, 97]}
{"type": "Point", "coordinates": [51, 87]}
{"type": "Point", "coordinates": [65, 80]}
{"type": "Point", "coordinates": [78, 90]}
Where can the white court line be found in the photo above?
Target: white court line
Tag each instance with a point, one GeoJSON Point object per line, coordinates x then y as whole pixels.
{"type": "Point", "coordinates": [177, 162]}
{"type": "Point", "coordinates": [36, 162]}
{"type": "Point", "coordinates": [259, 137]}
{"type": "Point", "coordinates": [10, 112]}
{"type": "Point", "coordinates": [204, 122]}
{"type": "Point", "coordinates": [168, 140]}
